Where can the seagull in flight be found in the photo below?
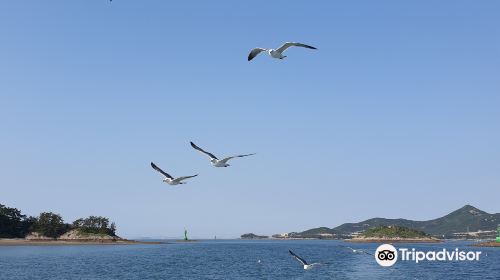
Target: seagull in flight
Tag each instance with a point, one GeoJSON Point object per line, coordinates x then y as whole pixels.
{"type": "Point", "coordinates": [357, 251]}
{"type": "Point", "coordinates": [169, 179]}
{"type": "Point", "coordinates": [277, 53]}
{"type": "Point", "coordinates": [214, 160]}
{"type": "Point", "coordinates": [302, 261]}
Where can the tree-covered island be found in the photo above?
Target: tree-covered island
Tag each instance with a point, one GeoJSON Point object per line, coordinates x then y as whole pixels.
{"type": "Point", "coordinates": [51, 226]}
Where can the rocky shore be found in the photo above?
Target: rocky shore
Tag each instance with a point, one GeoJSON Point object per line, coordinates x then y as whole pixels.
{"type": "Point", "coordinates": [72, 237]}
{"type": "Point", "coordinates": [487, 244]}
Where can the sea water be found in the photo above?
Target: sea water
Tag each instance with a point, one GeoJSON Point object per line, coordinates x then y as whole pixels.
{"type": "Point", "coordinates": [234, 259]}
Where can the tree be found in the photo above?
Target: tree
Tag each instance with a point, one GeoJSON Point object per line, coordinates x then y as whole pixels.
{"type": "Point", "coordinates": [29, 225]}
{"type": "Point", "coordinates": [112, 229]}
{"type": "Point", "coordinates": [96, 225]}
{"type": "Point", "coordinates": [13, 224]}
{"type": "Point", "coordinates": [50, 225]}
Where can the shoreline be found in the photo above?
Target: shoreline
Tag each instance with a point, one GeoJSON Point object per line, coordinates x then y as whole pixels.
{"type": "Point", "coordinates": [25, 242]}
{"type": "Point", "coordinates": [396, 240]}
{"type": "Point", "coordinates": [487, 244]}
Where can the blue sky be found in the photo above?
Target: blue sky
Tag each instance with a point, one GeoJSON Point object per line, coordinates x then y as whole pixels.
{"type": "Point", "coordinates": [397, 114]}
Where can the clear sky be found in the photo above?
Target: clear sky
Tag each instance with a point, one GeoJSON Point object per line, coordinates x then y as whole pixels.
{"type": "Point", "coordinates": [397, 114]}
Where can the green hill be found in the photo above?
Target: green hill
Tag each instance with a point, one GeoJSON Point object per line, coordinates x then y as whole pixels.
{"type": "Point", "coordinates": [454, 225]}
{"type": "Point", "coordinates": [394, 231]}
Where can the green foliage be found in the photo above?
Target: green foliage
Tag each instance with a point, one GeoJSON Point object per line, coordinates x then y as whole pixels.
{"type": "Point", "coordinates": [50, 225]}
{"type": "Point", "coordinates": [253, 236]}
{"type": "Point", "coordinates": [96, 225]}
{"type": "Point", "coordinates": [394, 231]}
{"type": "Point", "coordinates": [13, 224]}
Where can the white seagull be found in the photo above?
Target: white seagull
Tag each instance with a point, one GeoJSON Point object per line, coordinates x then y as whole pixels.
{"type": "Point", "coordinates": [169, 179]}
{"type": "Point", "coordinates": [214, 160]}
{"type": "Point", "coordinates": [357, 251]}
{"type": "Point", "coordinates": [277, 53]}
{"type": "Point", "coordinates": [302, 261]}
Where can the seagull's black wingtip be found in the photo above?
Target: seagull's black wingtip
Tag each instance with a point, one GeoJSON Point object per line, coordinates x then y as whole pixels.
{"type": "Point", "coordinates": [309, 47]}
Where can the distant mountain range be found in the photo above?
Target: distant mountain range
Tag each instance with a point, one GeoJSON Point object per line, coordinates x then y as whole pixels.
{"type": "Point", "coordinates": [466, 222]}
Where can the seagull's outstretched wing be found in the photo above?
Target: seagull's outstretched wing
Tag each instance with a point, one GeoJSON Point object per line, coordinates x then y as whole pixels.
{"type": "Point", "coordinates": [292, 44]}
{"type": "Point", "coordinates": [228, 158]}
{"type": "Point", "coordinates": [301, 260]}
{"type": "Point", "coordinates": [356, 250]}
{"type": "Point", "coordinates": [183, 178]}
{"type": "Point", "coordinates": [161, 171]}
{"type": "Point", "coordinates": [201, 150]}
{"type": "Point", "coordinates": [255, 52]}
{"type": "Point", "coordinates": [350, 248]}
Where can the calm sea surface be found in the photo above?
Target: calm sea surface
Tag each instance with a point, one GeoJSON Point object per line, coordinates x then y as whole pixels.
{"type": "Point", "coordinates": [233, 259]}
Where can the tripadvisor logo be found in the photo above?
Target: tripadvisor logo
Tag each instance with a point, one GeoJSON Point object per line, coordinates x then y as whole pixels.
{"type": "Point", "coordinates": [387, 255]}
